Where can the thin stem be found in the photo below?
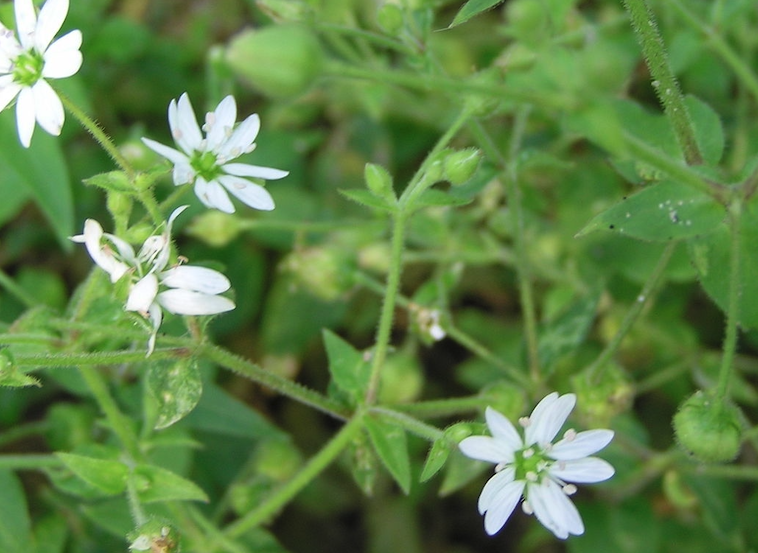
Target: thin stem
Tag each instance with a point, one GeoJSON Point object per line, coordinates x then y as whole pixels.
{"type": "Point", "coordinates": [722, 48]}
{"type": "Point", "coordinates": [15, 290]}
{"type": "Point", "coordinates": [120, 423]}
{"type": "Point", "coordinates": [730, 472]}
{"type": "Point", "coordinates": [286, 493]}
{"type": "Point", "coordinates": [415, 426]}
{"type": "Point", "coordinates": [271, 380]}
{"type": "Point", "coordinates": [664, 81]}
{"type": "Point", "coordinates": [595, 371]}
{"type": "Point", "coordinates": [388, 308]}
{"type": "Point", "coordinates": [379, 40]}
{"type": "Point", "coordinates": [92, 127]}
{"type": "Point", "coordinates": [39, 361]}
{"type": "Point", "coordinates": [135, 507]}
{"type": "Point", "coordinates": [441, 407]}
{"type": "Point", "coordinates": [733, 307]}
{"type": "Point", "coordinates": [29, 462]}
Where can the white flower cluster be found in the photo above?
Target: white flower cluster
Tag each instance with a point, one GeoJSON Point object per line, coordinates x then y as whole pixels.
{"type": "Point", "coordinates": [180, 289]}
{"type": "Point", "coordinates": [29, 58]}
{"type": "Point", "coordinates": [536, 468]}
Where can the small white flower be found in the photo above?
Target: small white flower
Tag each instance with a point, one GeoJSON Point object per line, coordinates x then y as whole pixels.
{"type": "Point", "coordinates": [26, 61]}
{"type": "Point", "coordinates": [205, 161]}
{"type": "Point", "coordinates": [537, 469]}
{"type": "Point", "coordinates": [182, 289]}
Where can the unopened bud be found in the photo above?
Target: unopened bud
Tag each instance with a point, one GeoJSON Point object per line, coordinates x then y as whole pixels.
{"type": "Point", "coordinates": [460, 166]}
{"type": "Point", "coordinates": [708, 429]}
{"type": "Point", "coordinates": [215, 228]}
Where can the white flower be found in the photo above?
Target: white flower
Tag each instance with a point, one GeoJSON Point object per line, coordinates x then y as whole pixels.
{"type": "Point", "coordinates": [182, 289]}
{"type": "Point", "coordinates": [536, 468]}
{"type": "Point", "coordinates": [205, 161]}
{"type": "Point", "coordinates": [26, 62]}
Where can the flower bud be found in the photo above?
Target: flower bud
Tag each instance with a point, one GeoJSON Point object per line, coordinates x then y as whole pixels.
{"type": "Point", "coordinates": [155, 537]}
{"type": "Point", "coordinates": [280, 61]}
{"type": "Point", "coordinates": [708, 429]}
{"type": "Point", "coordinates": [326, 272]}
{"type": "Point", "coordinates": [379, 181]}
{"type": "Point", "coordinates": [598, 402]}
{"type": "Point", "coordinates": [460, 166]}
{"type": "Point", "coordinates": [215, 228]}
{"type": "Point", "coordinates": [504, 397]}
{"type": "Point", "coordinates": [277, 460]}
{"type": "Point", "coordinates": [390, 19]}
{"type": "Point", "coordinates": [402, 379]}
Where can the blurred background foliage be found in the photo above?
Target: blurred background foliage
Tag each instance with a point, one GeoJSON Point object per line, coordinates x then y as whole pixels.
{"type": "Point", "coordinates": [316, 261]}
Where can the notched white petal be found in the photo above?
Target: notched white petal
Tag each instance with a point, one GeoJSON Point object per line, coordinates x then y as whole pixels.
{"type": "Point", "coordinates": [198, 279]}
{"type": "Point", "coordinates": [548, 418]}
{"type": "Point", "coordinates": [25, 116]}
{"type": "Point", "coordinates": [583, 471]}
{"type": "Point", "coordinates": [493, 488]}
{"type": "Point", "coordinates": [48, 108]}
{"type": "Point", "coordinates": [249, 193]}
{"type": "Point", "coordinates": [502, 429]}
{"type": "Point", "coordinates": [187, 302]}
{"type": "Point", "coordinates": [583, 444]}
{"type": "Point", "coordinates": [246, 170]}
{"type": "Point", "coordinates": [213, 195]}
{"type": "Point", "coordinates": [485, 448]}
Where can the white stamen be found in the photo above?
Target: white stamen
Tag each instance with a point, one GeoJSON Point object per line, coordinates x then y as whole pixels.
{"type": "Point", "coordinates": [524, 422]}
{"type": "Point", "coordinates": [527, 508]}
{"type": "Point", "coordinates": [569, 489]}
{"type": "Point", "coordinates": [570, 435]}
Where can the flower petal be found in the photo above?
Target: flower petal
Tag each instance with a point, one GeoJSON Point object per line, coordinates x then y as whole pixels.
{"type": "Point", "coordinates": [502, 429]}
{"type": "Point", "coordinates": [25, 116]}
{"type": "Point", "coordinates": [212, 194]}
{"type": "Point", "coordinates": [246, 170]}
{"type": "Point", "coordinates": [554, 509]}
{"type": "Point", "coordinates": [174, 156]}
{"type": "Point", "coordinates": [187, 302]}
{"type": "Point", "coordinates": [26, 22]}
{"type": "Point", "coordinates": [50, 20]}
{"type": "Point", "coordinates": [198, 279]}
{"type": "Point", "coordinates": [242, 138]}
{"type": "Point", "coordinates": [142, 294]}
{"type": "Point", "coordinates": [493, 488]}
{"type": "Point", "coordinates": [156, 317]}
{"type": "Point", "coordinates": [220, 123]}
{"type": "Point", "coordinates": [8, 90]}
{"type": "Point", "coordinates": [548, 418]}
{"type": "Point", "coordinates": [501, 504]}
{"type": "Point", "coordinates": [63, 58]}
{"type": "Point", "coordinates": [184, 127]}
{"type": "Point", "coordinates": [251, 194]}
{"type": "Point", "coordinates": [583, 444]}
{"type": "Point", "coordinates": [48, 107]}
{"type": "Point", "coordinates": [484, 448]}
{"type": "Point", "coordinates": [582, 471]}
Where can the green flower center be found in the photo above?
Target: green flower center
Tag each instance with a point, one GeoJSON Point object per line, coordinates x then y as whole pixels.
{"type": "Point", "coordinates": [205, 165]}
{"type": "Point", "coordinates": [27, 69]}
{"type": "Point", "coordinates": [530, 463]}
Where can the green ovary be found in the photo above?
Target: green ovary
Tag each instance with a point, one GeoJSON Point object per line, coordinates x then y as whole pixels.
{"type": "Point", "coordinates": [205, 165]}
{"type": "Point", "coordinates": [28, 67]}
{"type": "Point", "coordinates": [534, 463]}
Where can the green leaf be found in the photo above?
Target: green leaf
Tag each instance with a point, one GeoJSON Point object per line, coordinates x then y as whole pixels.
{"type": "Point", "coordinates": [710, 255]}
{"type": "Point", "coordinates": [42, 171]}
{"type": "Point", "coordinates": [564, 334]}
{"type": "Point", "coordinates": [435, 459]}
{"type": "Point", "coordinates": [50, 534]}
{"type": "Point", "coordinates": [158, 484]}
{"type": "Point", "coordinates": [364, 465]}
{"type": "Point", "coordinates": [177, 387]}
{"type": "Point", "coordinates": [471, 9]}
{"type": "Point", "coordinates": [379, 182]}
{"type": "Point", "coordinates": [14, 519]}
{"type": "Point", "coordinates": [390, 444]}
{"type": "Point", "coordinates": [107, 476]}
{"type": "Point", "coordinates": [661, 212]}
{"type": "Point", "coordinates": [347, 366]}
{"type": "Point", "coordinates": [116, 181]}
{"type": "Point", "coordinates": [10, 375]}
{"type": "Point", "coordinates": [367, 198]}
{"type": "Point", "coordinates": [709, 132]}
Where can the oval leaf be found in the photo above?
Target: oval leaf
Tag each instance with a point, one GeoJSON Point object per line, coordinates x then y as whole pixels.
{"type": "Point", "coordinates": [177, 388]}
{"type": "Point", "coordinates": [390, 444]}
{"type": "Point", "coordinates": [105, 475]}
{"type": "Point", "coordinates": [346, 365]}
{"type": "Point", "coordinates": [158, 484]}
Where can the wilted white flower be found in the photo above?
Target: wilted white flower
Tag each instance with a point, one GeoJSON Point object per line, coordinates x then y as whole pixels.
{"type": "Point", "coordinates": [537, 469]}
{"type": "Point", "coordinates": [181, 289]}
{"type": "Point", "coordinates": [26, 61]}
{"type": "Point", "coordinates": [206, 161]}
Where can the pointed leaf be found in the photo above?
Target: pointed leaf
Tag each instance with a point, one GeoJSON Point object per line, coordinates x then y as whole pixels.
{"type": "Point", "coordinates": [177, 388]}
{"type": "Point", "coordinates": [367, 198]}
{"type": "Point", "coordinates": [158, 484]}
{"type": "Point", "coordinates": [14, 518]}
{"type": "Point", "coordinates": [661, 212]}
{"type": "Point", "coordinates": [390, 444]}
{"type": "Point", "coordinates": [435, 459]}
{"type": "Point", "coordinates": [106, 475]}
{"type": "Point", "coordinates": [472, 8]}
{"type": "Point", "coordinates": [564, 334]}
{"type": "Point", "coordinates": [709, 131]}
{"type": "Point", "coordinates": [347, 366]}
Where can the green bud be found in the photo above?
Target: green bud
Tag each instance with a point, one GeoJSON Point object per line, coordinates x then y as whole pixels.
{"type": "Point", "coordinates": [139, 233]}
{"type": "Point", "coordinates": [139, 156]}
{"type": "Point", "coordinates": [326, 272]}
{"type": "Point", "coordinates": [215, 228]}
{"type": "Point", "coordinates": [119, 205]}
{"type": "Point", "coordinates": [390, 19]}
{"type": "Point", "coordinates": [379, 181]}
{"type": "Point", "coordinates": [155, 537]}
{"type": "Point", "coordinates": [460, 166]}
{"type": "Point", "coordinates": [277, 460]}
{"type": "Point", "coordinates": [505, 398]}
{"type": "Point", "coordinates": [455, 433]}
{"type": "Point", "coordinates": [280, 61]}
{"type": "Point", "coordinates": [708, 429]}
{"type": "Point", "coordinates": [402, 379]}
{"type": "Point", "coordinates": [599, 402]}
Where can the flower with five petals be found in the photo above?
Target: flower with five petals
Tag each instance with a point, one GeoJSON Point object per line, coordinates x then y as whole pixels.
{"type": "Point", "coordinates": [537, 469]}
{"type": "Point", "coordinates": [27, 61]}
{"type": "Point", "coordinates": [205, 161]}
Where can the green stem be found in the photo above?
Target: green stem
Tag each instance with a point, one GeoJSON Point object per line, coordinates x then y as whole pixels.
{"type": "Point", "coordinates": [120, 423]}
{"type": "Point", "coordinates": [135, 507]}
{"type": "Point", "coordinates": [271, 380]}
{"type": "Point", "coordinates": [15, 290]}
{"type": "Point", "coordinates": [379, 40]}
{"type": "Point", "coordinates": [664, 81]}
{"type": "Point", "coordinates": [733, 307]}
{"type": "Point", "coordinates": [722, 48]}
{"type": "Point", "coordinates": [415, 426]}
{"type": "Point", "coordinates": [43, 360]}
{"type": "Point", "coordinates": [152, 207]}
{"type": "Point", "coordinates": [441, 407]}
{"type": "Point", "coordinates": [29, 462]}
{"type": "Point", "coordinates": [286, 493]}
{"type": "Point", "coordinates": [388, 308]}
{"type": "Point", "coordinates": [91, 126]}
{"type": "Point", "coordinates": [730, 472]}
{"type": "Point", "coordinates": [595, 371]}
